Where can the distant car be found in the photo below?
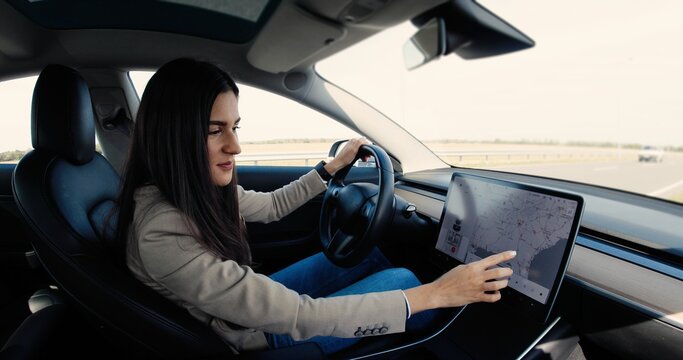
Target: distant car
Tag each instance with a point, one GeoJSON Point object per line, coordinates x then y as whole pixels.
{"type": "Point", "coordinates": [649, 153]}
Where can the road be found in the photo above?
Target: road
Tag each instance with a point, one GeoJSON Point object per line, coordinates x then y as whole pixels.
{"type": "Point", "coordinates": [605, 167]}
{"type": "Point", "coordinates": [663, 179]}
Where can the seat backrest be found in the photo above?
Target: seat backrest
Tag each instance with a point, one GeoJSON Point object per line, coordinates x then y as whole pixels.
{"type": "Point", "coordinates": [65, 190]}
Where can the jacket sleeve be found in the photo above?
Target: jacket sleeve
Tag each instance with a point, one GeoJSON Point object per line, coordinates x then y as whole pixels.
{"type": "Point", "coordinates": [272, 206]}
{"type": "Point", "coordinates": [226, 290]}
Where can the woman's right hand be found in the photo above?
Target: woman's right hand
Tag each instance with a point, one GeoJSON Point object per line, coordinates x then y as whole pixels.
{"type": "Point", "coordinates": [474, 282]}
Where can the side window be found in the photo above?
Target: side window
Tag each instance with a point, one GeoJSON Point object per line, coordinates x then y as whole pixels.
{"type": "Point", "coordinates": [140, 80]}
{"type": "Point", "coordinates": [278, 131]}
{"type": "Point", "coordinates": [275, 130]}
{"type": "Point", "coordinates": [15, 128]}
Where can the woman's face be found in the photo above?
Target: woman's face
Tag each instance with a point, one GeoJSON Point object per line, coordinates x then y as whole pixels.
{"type": "Point", "coordinates": [222, 143]}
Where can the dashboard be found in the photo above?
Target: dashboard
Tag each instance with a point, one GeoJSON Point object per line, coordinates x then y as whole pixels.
{"type": "Point", "coordinates": [609, 259]}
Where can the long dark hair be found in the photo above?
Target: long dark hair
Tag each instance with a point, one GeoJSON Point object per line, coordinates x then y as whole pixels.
{"type": "Point", "coordinates": [169, 151]}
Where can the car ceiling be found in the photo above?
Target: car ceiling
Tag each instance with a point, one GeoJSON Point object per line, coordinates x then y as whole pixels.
{"type": "Point", "coordinates": [285, 36]}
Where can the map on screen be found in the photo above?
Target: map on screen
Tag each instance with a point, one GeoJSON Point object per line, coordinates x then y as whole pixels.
{"type": "Point", "coordinates": [482, 218]}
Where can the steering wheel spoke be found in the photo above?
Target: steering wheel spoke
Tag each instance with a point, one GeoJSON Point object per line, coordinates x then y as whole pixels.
{"type": "Point", "coordinates": [340, 242]}
{"type": "Point", "coordinates": [367, 211]}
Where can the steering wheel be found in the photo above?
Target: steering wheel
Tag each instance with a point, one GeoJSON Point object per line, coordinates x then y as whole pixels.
{"type": "Point", "coordinates": [354, 216]}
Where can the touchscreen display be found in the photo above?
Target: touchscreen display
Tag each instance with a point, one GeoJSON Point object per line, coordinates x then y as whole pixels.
{"type": "Point", "coordinates": [483, 217]}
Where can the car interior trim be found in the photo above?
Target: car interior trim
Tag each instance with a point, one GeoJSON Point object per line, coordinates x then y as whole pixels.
{"type": "Point", "coordinates": [538, 339]}
{"type": "Point", "coordinates": [656, 254]}
{"type": "Point", "coordinates": [630, 256]}
{"type": "Point", "coordinates": [273, 49]}
{"type": "Point", "coordinates": [426, 205]}
{"type": "Point", "coordinates": [415, 343]}
{"type": "Point", "coordinates": [428, 192]}
{"type": "Point", "coordinates": [656, 316]}
{"type": "Point", "coordinates": [662, 298]}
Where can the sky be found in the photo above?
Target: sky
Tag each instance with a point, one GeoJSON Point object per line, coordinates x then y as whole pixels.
{"type": "Point", "coordinates": [601, 71]}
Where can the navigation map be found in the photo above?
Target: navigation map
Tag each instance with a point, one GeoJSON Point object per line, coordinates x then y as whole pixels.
{"type": "Point", "coordinates": [484, 218]}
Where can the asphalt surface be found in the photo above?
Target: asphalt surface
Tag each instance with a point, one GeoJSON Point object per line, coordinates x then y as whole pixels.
{"type": "Point", "coordinates": [664, 179]}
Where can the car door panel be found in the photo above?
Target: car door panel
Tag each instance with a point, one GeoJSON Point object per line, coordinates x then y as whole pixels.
{"type": "Point", "coordinates": [20, 271]}
{"type": "Point", "coordinates": [15, 248]}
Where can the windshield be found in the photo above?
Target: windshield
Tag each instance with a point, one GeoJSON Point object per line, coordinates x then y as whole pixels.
{"type": "Point", "coordinates": [597, 100]}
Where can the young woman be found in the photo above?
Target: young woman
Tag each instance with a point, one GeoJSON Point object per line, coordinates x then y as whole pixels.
{"type": "Point", "coordinates": [182, 214]}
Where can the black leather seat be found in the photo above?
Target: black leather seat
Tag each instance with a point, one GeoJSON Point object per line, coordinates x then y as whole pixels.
{"type": "Point", "coordinates": [65, 189]}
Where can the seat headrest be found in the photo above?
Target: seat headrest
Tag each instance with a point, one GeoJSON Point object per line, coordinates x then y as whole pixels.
{"type": "Point", "coordinates": [62, 118]}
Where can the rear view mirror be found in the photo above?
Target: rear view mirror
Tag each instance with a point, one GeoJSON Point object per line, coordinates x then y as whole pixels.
{"type": "Point", "coordinates": [462, 27]}
{"type": "Point", "coordinates": [428, 43]}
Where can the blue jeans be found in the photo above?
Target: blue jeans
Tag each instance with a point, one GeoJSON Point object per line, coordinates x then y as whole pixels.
{"type": "Point", "coordinates": [318, 277]}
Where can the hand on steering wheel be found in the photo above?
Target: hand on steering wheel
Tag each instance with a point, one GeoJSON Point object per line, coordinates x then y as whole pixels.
{"type": "Point", "coordinates": [347, 155]}
{"type": "Point", "coordinates": [355, 216]}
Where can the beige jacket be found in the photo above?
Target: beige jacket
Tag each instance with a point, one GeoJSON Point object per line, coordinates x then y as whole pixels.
{"type": "Point", "coordinates": [239, 304]}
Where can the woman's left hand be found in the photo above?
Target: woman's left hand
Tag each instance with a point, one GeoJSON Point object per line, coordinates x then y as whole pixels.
{"type": "Point", "coordinates": [346, 155]}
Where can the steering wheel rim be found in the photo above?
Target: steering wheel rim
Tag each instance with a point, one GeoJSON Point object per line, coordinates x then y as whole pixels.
{"type": "Point", "coordinates": [353, 217]}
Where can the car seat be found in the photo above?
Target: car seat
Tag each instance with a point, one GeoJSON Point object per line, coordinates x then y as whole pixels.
{"type": "Point", "coordinates": [65, 189]}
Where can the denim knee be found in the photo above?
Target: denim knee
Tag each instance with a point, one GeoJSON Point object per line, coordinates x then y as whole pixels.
{"type": "Point", "coordinates": [402, 278]}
